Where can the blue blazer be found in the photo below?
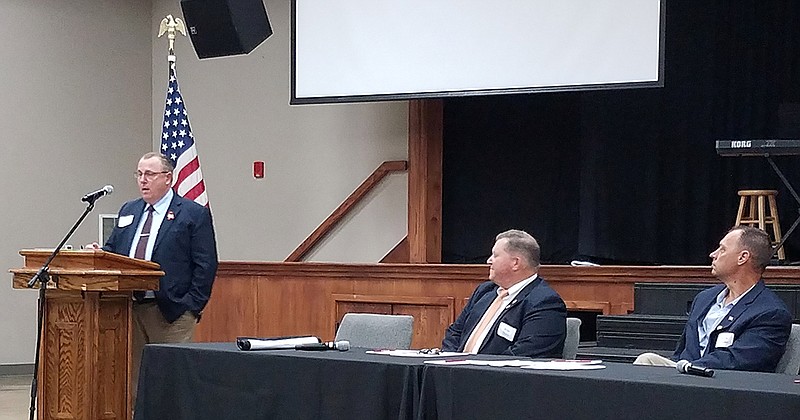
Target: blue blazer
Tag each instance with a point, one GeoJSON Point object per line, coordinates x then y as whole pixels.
{"type": "Point", "coordinates": [537, 313]}
{"type": "Point", "coordinates": [760, 323]}
{"type": "Point", "coordinates": [186, 249]}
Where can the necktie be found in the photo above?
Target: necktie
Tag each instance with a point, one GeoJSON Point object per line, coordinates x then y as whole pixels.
{"type": "Point", "coordinates": [141, 247]}
{"type": "Point", "coordinates": [473, 345]}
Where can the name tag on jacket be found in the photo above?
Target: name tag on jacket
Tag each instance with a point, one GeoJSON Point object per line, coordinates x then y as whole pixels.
{"type": "Point", "coordinates": [506, 331]}
{"type": "Point", "coordinates": [724, 339]}
{"type": "Point", "coordinates": [125, 220]}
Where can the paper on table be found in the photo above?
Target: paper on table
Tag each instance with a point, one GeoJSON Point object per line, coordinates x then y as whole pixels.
{"type": "Point", "coordinates": [578, 361]}
{"type": "Point", "coordinates": [527, 364]}
{"type": "Point", "coordinates": [415, 353]}
{"type": "Point", "coordinates": [449, 362]}
{"type": "Point", "coordinates": [250, 343]}
{"type": "Point", "coordinates": [562, 365]}
{"type": "Point", "coordinates": [495, 363]}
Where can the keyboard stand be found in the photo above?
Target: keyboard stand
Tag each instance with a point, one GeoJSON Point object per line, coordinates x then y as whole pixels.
{"type": "Point", "coordinates": [796, 198]}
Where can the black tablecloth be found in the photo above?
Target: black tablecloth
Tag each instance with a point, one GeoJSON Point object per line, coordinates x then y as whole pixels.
{"type": "Point", "coordinates": [218, 381]}
{"type": "Point", "coordinates": [621, 391]}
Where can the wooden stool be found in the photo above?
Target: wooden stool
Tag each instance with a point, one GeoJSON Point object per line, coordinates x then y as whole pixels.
{"type": "Point", "coordinates": [756, 213]}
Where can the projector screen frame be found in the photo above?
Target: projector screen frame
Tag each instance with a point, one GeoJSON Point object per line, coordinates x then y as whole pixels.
{"type": "Point", "coordinates": [334, 99]}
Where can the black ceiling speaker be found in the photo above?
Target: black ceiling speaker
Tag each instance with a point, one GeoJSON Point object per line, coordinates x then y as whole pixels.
{"type": "Point", "coordinates": [220, 28]}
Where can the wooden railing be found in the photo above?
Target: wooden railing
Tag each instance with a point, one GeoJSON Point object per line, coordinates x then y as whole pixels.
{"type": "Point", "coordinates": [355, 197]}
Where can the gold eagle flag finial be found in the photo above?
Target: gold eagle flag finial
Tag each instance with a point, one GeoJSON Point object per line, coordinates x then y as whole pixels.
{"type": "Point", "coordinates": [170, 25]}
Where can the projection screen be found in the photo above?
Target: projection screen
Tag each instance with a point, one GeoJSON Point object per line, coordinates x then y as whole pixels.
{"type": "Point", "coordinates": [375, 50]}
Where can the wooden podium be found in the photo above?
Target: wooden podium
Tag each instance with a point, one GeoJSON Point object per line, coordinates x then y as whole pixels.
{"type": "Point", "coordinates": [84, 364]}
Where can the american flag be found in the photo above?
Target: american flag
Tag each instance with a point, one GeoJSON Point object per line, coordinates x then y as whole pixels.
{"type": "Point", "coordinates": [177, 144]}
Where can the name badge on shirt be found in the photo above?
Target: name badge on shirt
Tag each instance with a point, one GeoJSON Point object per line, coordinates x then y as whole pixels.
{"type": "Point", "coordinates": [724, 339]}
{"type": "Point", "coordinates": [506, 331]}
{"type": "Point", "coordinates": [125, 220]}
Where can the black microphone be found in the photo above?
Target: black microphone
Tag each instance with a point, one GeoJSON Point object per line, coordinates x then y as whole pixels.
{"type": "Point", "coordinates": [93, 196]}
{"type": "Point", "coordinates": [343, 345]}
{"type": "Point", "coordinates": [684, 366]}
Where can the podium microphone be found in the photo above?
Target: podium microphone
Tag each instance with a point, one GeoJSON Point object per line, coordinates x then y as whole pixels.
{"type": "Point", "coordinates": [342, 345]}
{"type": "Point", "coordinates": [93, 196]}
{"type": "Point", "coordinates": [684, 366]}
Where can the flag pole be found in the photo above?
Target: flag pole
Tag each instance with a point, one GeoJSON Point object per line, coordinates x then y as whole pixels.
{"type": "Point", "coordinates": [177, 140]}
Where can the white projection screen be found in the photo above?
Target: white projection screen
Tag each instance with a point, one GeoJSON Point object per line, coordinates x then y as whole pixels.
{"type": "Point", "coordinates": [377, 50]}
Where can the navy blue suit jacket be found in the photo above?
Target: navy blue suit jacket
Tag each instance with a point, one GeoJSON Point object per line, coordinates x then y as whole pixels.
{"type": "Point", "coordinates": [186, 249]}
{"type": "Point", "coordinates": [537, 313]}
{"type": "Point", "coordinates": [760, 323]}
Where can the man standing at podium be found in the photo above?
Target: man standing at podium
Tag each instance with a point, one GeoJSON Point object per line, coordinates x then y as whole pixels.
{"type": "Point", "coordinates": [516, 313]}
{"type": "Point", "coordinates": [178, 234]}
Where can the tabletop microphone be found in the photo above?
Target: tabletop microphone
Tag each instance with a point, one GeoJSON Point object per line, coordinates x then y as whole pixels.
{"type": "Point", "coordinates": [342, 345]}
{"type": "Point", "coordinates": [684, 366]}
{"type": "Point", "coordinates": [93, 196]}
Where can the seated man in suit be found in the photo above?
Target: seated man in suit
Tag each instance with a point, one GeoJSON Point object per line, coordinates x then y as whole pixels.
{"type": "Point", "coordinates": [739, 324]}
{"type": "Point", "coordinates": [516, 313]}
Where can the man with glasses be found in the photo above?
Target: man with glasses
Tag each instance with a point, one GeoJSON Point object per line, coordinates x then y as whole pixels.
{"type": "Point", "coordinates": [178, 234]}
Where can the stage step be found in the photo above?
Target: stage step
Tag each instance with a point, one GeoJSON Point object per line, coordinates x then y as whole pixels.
{"type": "Point", "coordinates": [665, 298]}
{"type": "Point", "coordinates": [614, 354]}
{"type": "Point", "coordinates": [636, 331]}
{"type": "Point", "coordinates": [675, 299]}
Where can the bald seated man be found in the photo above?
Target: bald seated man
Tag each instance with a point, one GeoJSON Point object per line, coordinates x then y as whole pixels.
{"type": "Point", "coordinates": [739, 324]}
{"type": "Point", "coordinates": [516, 312]}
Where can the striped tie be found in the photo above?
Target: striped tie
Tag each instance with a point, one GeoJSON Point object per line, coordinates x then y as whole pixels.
{"type": "Point", "coordinates": [141, 247]}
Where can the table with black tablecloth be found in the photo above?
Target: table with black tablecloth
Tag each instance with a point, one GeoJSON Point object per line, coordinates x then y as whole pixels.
{"type": "Point", "coordinates": [218, 381]}
{"type": "Point", "coordinates": [620, 391]}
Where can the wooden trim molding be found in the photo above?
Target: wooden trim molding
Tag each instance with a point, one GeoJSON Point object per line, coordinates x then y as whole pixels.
{"type": "Point", "coordinates": [469, 272]}
{"type": "Point", "coordinates": [351, 201]}
{"type": "Point", "coordinates": [408, 300]}
{"type": "Point", "coordinates": [584, 305]}
{"type": "Point", "coordinates": [325, 270]}
{"type": "Point", "coordinates": [398, 254]}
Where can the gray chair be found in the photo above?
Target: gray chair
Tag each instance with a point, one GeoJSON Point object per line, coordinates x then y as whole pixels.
{"type": "Point", "coordinates": [376, 331]}
{"type": "Point", "coordinates": [573, 338]}
{"type": "Point", "coordinates": [790, 362]}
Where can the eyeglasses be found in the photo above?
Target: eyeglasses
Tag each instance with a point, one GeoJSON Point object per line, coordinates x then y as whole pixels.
{"type": "Point", "coordinates": [148, 175]}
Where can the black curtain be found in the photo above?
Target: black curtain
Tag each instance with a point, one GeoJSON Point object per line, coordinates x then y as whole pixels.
{"type": "Point", "coordinates": [632, 176]}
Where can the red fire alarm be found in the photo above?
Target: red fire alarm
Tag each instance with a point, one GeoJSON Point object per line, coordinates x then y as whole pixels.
{"type": "Point", "coordinates": [258, 169]}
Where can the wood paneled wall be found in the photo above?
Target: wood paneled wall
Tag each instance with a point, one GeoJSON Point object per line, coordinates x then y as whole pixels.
{"type": "Point", "coordinates": [267, 299]}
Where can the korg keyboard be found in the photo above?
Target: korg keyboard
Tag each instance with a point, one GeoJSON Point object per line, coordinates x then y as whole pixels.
{"type": "Point", "coordinates": [758, 147]}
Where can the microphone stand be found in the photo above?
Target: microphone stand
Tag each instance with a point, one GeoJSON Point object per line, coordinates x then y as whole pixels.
{"type": "Point", "coordinates": [43, 277]}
